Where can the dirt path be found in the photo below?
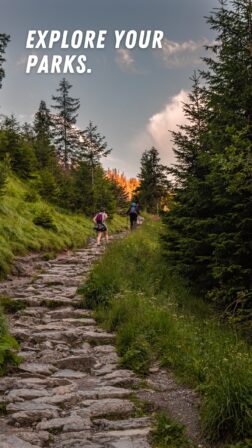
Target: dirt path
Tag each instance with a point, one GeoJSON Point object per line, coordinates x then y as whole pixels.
{"type": "Point", "coordinates": [69, 391]}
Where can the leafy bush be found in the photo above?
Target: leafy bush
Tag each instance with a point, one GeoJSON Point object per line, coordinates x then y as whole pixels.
{"type": "Point", "coordinates": [31, 196]}
{"type": "Point", "coordinates": [44, 219]}
{"type": "Point", "coordinates": [138, 356]}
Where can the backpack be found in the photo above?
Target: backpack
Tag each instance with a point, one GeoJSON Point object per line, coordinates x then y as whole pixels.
{"type": "Point", "coordinates": [99, 218]}
{"type": "Point", "coordinates": [133, 209]}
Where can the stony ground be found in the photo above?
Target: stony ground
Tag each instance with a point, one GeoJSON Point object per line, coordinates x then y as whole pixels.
{"type": "Point", "coordinates": [70, 391]}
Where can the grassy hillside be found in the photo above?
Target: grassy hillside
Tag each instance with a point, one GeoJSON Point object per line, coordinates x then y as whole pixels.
{"type": "Point", "coordinates": [157, 317]}
{"type": "Point", "coordinates": [19, 234]}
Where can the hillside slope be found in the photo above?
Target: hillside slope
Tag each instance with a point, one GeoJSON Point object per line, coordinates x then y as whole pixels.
{"type": "Point", "coordinates": [19, 235]}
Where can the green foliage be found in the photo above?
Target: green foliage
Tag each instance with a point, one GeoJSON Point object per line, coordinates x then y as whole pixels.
{"type": "Point", "coordinates": [19, 234]}
{"type": "Point", "coordinates": [44, 219]}
{"type": "Point", "coordinates": [66, 136]}
{"type": "Point", "coordinates": [153, 181]}
{"type": "Point", "coordinates": [208, 237]}
{"type": "Point", "coordinates": [31, 196]}
{"type": "Point", "coordinates": [3, 179]}
{"type": "Point", "coordinates": [8, 346]}
{"type": "Point", "coordinates": [155, 315]}
{"type": "Point", "coordinates": [169, 434]}
{"type": "Point", "coordinates": [11, 305]}
{"type": "Point", "coordinates": [138, 356]}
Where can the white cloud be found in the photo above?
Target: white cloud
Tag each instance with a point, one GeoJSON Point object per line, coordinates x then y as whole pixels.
{"type": "Point", "coordinates": [179, 54]}
{"type": "Point", "coordinates": [125, 60]}
{"type": "Point", "coordinates": [157, 131]}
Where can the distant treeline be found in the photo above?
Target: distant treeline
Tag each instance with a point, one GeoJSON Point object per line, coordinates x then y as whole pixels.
{"type": "Point", "coordinates": [61, 162]}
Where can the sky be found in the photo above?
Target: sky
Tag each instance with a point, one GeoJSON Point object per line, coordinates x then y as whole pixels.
{"type": "Point", "coordinates": [134, 96]}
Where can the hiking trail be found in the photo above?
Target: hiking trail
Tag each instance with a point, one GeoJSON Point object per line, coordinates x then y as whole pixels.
{"type": "Point", "coordinates": [69, 390]}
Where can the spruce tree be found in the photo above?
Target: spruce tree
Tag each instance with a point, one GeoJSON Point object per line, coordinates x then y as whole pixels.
{"type": "Point", "coordinates": [17, 148]}
{"type": "Point", "coordinates": [4, 39]}
{"type": "Point", "coordinates": [208, 236]}
{"type": "Point", "coordinates": [44, 149]}
{"type": "Point", "coordinates": [66, 136]}
{"type": "Point", "coordinates": [93, 148]}
{"type": "Point", "coordinates": [153, 181]}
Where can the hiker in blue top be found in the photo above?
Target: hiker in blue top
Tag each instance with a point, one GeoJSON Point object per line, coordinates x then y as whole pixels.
{"type": "Point", "coordinates": [133, 213]}
{"type": "Point", "coordinates": [100, 225]}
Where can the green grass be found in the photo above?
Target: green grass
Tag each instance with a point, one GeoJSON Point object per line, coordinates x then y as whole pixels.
{"type": "Point", "coordinates": [169, 434]}
{"type": "Point", "coordinates": [10, 305]}
{"type": "Point", "coordinates": [19, 234]}
{"type": "Point", "coordinates": [8, 347]}
{"type": "Point", "coordinates": [156, 317]}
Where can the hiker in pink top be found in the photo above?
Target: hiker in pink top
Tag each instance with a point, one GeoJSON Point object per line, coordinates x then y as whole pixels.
{"type": "Point", "coordinates": [100, 226]}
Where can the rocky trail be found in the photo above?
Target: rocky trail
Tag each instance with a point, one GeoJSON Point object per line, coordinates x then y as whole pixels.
{"type": "Point", "coordinates": [69, 390]}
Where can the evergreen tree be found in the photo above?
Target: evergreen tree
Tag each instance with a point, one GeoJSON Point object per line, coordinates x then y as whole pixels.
{"type": "Point", "coordinates": [45, 151]}
{"type": "Point", "coordinates": [4, 39]}
{"type": "Point", "coordinates": [66, 136]}
{"type": "Point", "coordinates": [90, 198]}
{"type": "Point", "coordinates": [93, 148]}
{"type": "Point", "coordinates": [192, 217]}
{"type": "Point", "coordinates": [209, 228]}
{"type": "Point", "coordinates": [153, 181]}
{"type": "Point", "coordinates": [12, 143]}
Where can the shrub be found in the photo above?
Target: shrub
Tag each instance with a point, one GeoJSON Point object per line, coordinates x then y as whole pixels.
{"type": "Point", "coordinates": [31, 196]}
{"type": "Point", "coordinates": [44, 219]}
{"type": "Point", "coordinates": [138, 356]}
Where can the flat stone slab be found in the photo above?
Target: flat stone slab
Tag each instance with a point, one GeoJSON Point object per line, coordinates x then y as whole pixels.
{"type": "Point", "coordinates": [70, 423]}
{"type": "Point", "coordinates": [105, 392]}
{"type": "Point", "coordinates": [30, 406]}
{"type": "Point", "coordinates": [80, 363]}
{"type": "Point", "coordinates": [69, 374]}
{"type": "Point", "coordinates": [113, 406]}
{"type": "Point", "coordinates": [42, 369]}
{"type": "Point", "coordinates": [29, 417]}
{"type": "Point", "coordinates": [25, 394]}
{"type": "Point", "coordinates": [14, 442]}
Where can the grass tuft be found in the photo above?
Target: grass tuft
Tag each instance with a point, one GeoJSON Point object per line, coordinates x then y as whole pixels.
{"type": "Point", "coordinates": [169, 434]}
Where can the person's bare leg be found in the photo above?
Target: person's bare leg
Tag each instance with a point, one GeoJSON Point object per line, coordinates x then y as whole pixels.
{"type": "Point", "coordinates": [99, 235]}
{"type": "Point", "coordinates": [106, 236]}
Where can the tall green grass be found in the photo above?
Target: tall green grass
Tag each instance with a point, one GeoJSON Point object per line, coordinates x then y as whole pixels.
{"type": "Point", "coordinates": [156, 317]}
{"type": "Point", "coordinates": [8, 347]}
{"type": "Point", "coordinates": [20, 209]}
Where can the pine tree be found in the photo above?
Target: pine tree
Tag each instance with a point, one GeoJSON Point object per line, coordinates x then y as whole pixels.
{"type": "Point", "coordinates": [45, 151]}
{"type": "Point", "coordinates": [4, 39]}
{"type": "Point", "coordinates": [66, 136]}
{"type": "Point", "coordinates": [209, 228]}
{"type": "Point", "coordinates": [192, 217]}
{"type": "Point", "coordinates": [93, 148]}
{"type": "Point", "coordinates": [12, 144]}
{"type": "Point", "coordinates": [153, 181]}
